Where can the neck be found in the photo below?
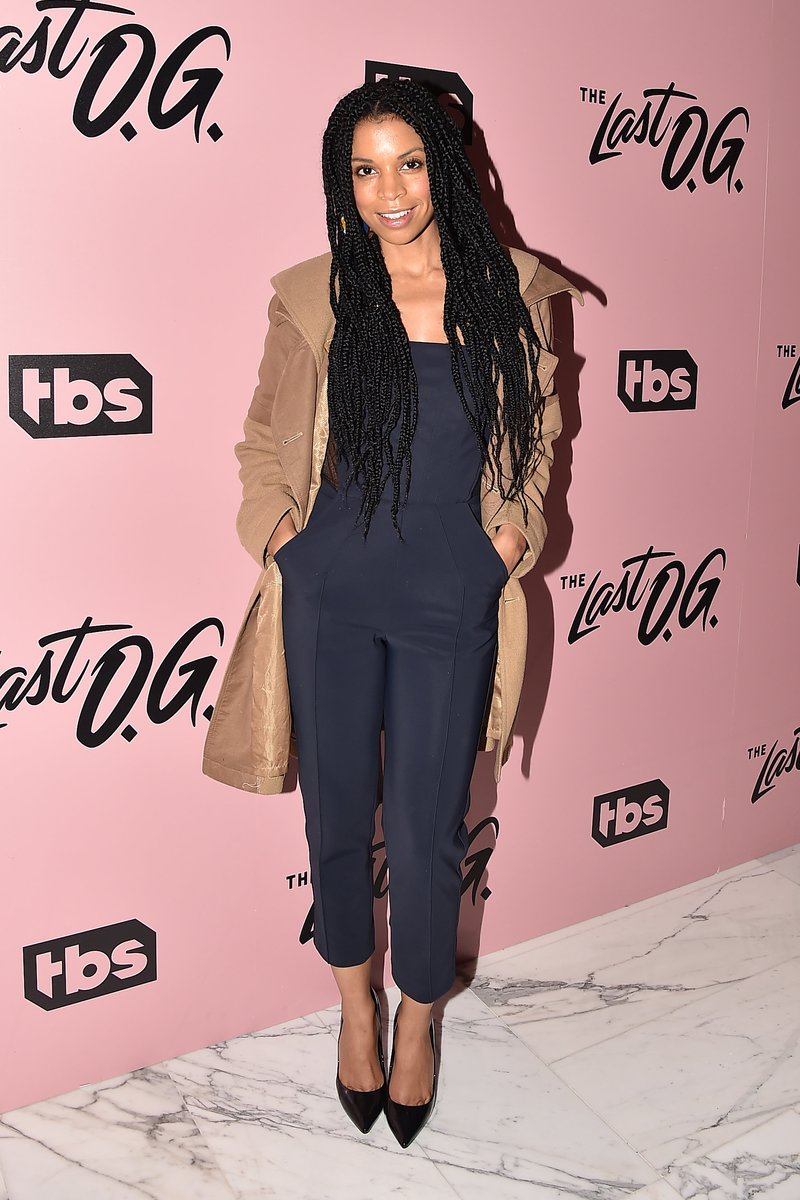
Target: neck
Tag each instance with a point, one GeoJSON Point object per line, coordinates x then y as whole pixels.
{"type": "Point", "coordinates": [416, 259]}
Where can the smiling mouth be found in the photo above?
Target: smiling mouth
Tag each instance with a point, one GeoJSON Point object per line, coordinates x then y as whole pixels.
{"type": "Point", "coordinates": [396, 214]}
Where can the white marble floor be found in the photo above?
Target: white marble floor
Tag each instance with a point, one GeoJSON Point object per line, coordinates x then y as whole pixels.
{"type": "Point", "coordinates": [650, 1053]}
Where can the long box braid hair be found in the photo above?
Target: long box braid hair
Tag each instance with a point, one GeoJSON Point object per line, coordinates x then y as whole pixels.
{"type": "Point", "coordinates": [371, 379]}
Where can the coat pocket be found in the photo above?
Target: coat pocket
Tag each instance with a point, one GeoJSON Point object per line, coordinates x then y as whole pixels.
{"type": "Point", "coordinates": [545, 370]}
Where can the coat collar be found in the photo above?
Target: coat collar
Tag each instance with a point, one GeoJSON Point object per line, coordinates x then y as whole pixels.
{"type": "Point", "coordinates": [305, 291]}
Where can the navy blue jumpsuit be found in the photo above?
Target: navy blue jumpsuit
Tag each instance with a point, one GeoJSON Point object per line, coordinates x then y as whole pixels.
{"type": "Point", "coordinates": [403, 634]}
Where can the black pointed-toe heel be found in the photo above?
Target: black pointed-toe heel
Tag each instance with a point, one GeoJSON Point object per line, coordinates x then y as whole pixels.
{"type": "Point", "coordinates": [363, 1108]}
{"type": "Point", "coordinates": [406, 1120]}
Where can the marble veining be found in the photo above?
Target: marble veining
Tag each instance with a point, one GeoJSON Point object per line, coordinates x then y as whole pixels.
{"type": "Point", "coordinates": [579, 990]}
{"type": "Point", "coordinates": [701, 1075]}
{"type": "Point", "coordinates": [650, 1054]}
{"type": "Point", "coordinates": [764, 1162]}
{"type": "Point", "coordinates": [785, 862]}
{"type": "Point", "coordinates": [660, 1190]}
{"type": "Point", "coordinates": [127, 1137]}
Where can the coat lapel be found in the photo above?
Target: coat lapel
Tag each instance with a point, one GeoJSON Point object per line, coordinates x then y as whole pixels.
{"type": "Point", "coordinates": [304, 290]}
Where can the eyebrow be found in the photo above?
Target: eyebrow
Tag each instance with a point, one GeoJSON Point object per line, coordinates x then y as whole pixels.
{"type": "Point", "coordinates": [356, 158]}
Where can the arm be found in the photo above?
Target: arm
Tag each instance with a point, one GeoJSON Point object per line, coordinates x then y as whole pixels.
{"type": "Point", "coordinates": [514, 535]}
{"type": "Point", "coordinates": [267, 500]}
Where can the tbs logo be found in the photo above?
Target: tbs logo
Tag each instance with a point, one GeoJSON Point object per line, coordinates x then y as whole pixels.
{"type": "Point", "coordinates": [448, 87]}
{"type": "Point", "coordinates": [79, 395]}
{"type": "Point", "coordinates": [67, 970]}
{"type": "Point", "coordinates": [630, 812]}
{"type": "Point", "coordinates": [657, 380]}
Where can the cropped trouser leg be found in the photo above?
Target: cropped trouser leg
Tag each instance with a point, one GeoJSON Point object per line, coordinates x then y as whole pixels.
{"type": "Point", "coordinates": [435, 695]}
{"type": "Point", "coordinates": [336, 678]}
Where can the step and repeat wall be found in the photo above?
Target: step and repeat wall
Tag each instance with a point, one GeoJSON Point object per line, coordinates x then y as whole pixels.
{"type": "Point", "coordinates": [160, 163]}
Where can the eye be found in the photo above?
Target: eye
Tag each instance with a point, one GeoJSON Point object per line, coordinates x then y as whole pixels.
{"type": "Point", "coordinates": [413, 161]}
{"type": "Point", "coordinates": [358, 170]}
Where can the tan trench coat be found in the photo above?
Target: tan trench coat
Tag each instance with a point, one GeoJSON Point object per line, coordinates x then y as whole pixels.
{"type": "Point", "coordinates": [250, 735]}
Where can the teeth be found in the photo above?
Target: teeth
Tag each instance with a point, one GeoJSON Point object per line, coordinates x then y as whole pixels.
{"type": "Point", "coordinates": [395, 214]}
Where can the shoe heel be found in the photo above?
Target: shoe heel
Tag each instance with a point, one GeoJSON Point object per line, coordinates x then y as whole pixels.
{"type": "Point", "coordinates": [406, 1120]}
{"type": "Point", "coordinates": [364, 1108]}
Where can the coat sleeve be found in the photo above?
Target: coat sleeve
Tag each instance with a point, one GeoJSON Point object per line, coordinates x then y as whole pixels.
{"type": "Point", "coordinates": [266, 494]}
{"type": "Point", "coordinates": [535, 528]}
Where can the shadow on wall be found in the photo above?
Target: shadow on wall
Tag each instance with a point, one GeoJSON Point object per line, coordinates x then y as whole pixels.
{"type": "Point", "coordinates": [559, 523]}
{"type": "Point", "coordinates": [481, 819]}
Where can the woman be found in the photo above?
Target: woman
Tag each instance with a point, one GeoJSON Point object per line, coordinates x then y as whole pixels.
{"type": "Point", "coordinates": [391, 591]}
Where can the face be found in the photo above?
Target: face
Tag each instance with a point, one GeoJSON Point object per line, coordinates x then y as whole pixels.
{"type": "Point", "coordinates": [390, 174]}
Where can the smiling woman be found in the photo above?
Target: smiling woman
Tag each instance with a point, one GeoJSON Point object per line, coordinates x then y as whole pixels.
{"type": "Point", "coordinates": [391, 190]}
{"type": "Point", "coordinates": [436, 274]}
{"type": "Point", "coordinates": [377, 181]}
{"type": "Point", "coordinates": [382, 603]}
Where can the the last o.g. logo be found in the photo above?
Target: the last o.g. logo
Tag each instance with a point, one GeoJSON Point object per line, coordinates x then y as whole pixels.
{"type": "Point", "coordinates": [696, 147]}
{"type": "Point", "coordinates": [79, 395]}
{"type": "Point", "coordinates": [121, 72]}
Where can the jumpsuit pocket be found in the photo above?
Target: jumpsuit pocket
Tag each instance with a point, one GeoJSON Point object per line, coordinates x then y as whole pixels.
{"type": "Point", "coordinates": [487, 543]}
{"type": "Point", "coordinates": [278, 555]}
{"type": "Point", "coordinates": [304, 561]}
{"type": "Point", "coordinates": [315, 517]}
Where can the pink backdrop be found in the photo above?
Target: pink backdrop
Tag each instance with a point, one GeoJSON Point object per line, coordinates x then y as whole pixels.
{"type": "Point", "coordinates": [159, 246]}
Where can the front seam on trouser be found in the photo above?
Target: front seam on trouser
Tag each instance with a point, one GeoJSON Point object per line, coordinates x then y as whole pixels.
{"type": "Point", "coordinates": [441, 766]}
{"type": "Point", "coordinates": [319, 888]}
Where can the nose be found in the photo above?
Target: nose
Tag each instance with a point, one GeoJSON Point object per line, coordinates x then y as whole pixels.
{"type": "Point", "coordinates": [391, 186]}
